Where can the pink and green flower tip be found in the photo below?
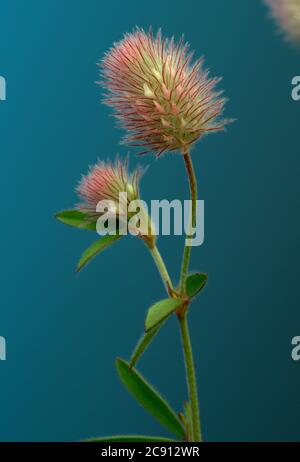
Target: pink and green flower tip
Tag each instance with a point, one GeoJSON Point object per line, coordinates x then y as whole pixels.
{"type": "Point", "coordinates": [165, 101]}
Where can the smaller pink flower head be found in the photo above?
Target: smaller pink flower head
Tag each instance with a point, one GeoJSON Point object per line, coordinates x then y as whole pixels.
{"type": "Point", "coordinates": [287, 14]}
{"type": "Point", "coordinates": [163, 101]}
{"type": "Point", "coordinates": [104, 182]}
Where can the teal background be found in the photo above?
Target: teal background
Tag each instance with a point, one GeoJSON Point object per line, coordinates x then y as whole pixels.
{"type": "Point", "coordinates": [64, 331]}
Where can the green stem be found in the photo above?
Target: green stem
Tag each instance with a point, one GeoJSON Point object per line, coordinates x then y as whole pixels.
{"type": "Point", "coordinates": [187, 348]}
{"type": "Point", "coordinates": [193, 190]}
{"type": "Point", "coordinates": [191, 378]}
{"type": "Point", "coordinates": [184, 328]}
{"type": "Point", "coordinates": [162, 269]}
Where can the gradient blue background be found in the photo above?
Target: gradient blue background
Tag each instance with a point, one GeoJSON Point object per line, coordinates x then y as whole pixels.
{"type": "Point", "coordinates": [64, 331]}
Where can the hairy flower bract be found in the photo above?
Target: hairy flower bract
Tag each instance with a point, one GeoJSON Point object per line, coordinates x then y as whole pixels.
{"type": "Point", "coordinates": [165, 102]}
{"type": "Point", "coordinates": [104, 182]}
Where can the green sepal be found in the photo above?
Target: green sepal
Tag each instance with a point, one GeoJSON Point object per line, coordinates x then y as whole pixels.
{"type": "Point", "coordinates": [76, 218]}
{"type": "Point", "coordinates": [160, 311]}
{"type": "Point", "coordinates": [143, 344]}
{"type": "Point", "coordinates": [95, 249]}
{"type": "Point", "coordinates": [129, 438]}
{"type": "Point", "coordinates": [149, 398]}
{"type": "Point", "coordinates": [195, 283]}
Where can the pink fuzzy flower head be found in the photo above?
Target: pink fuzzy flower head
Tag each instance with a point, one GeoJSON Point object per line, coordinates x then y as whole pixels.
{"type": "Point", "coordinates": [104, 182]}
{"type": "Point", "coordinates": [287, 14]}
{"type": "Point", "coordinates": [163, 101]}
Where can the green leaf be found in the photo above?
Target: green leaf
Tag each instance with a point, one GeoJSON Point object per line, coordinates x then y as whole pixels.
{"type": "Point", "coordinates": [195, 283]}
{"type": "Point", "coordinates": [76, 218]}
{"type": "Point", "coordinates": [160, 311]}
{"type": "Point", "coordinates": [129, 438]}
{"type": "Point", "coordinates": [149, 398]}
{"type": "Point", "coordinates": [96, 248]}
{"type": "Point", "coordinates": [143, 344]}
